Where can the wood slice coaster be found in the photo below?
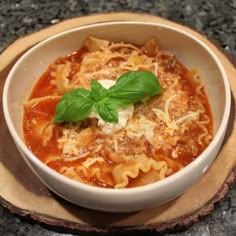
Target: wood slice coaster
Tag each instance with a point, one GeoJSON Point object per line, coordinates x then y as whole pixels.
{"type": "Point", "coordinates": [24, 194]}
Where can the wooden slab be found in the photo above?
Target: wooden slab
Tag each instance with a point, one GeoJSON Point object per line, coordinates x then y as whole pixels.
{"type": "Point", "coordinates": [24, 194]}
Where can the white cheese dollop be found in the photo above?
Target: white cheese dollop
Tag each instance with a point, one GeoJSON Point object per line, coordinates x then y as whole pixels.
{"type": "Point", "coordinates": [124, 113]}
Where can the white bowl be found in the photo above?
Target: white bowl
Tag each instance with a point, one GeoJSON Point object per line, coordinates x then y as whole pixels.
{"type": "Point", "coordinates": [189, 50]}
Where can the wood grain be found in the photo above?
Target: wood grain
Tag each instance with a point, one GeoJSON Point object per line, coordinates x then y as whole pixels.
{"type": "Point", "coordinates": [24, 194]}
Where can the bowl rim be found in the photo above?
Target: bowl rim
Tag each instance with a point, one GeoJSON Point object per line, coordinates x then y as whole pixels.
{"type": "Point", "coordinates": [123, 191]}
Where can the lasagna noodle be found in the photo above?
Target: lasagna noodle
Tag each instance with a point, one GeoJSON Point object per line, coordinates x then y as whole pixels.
{"type": "Point", "coordinates": [103, 60]}
{"type": "Point", "coordinates": [124, 171]}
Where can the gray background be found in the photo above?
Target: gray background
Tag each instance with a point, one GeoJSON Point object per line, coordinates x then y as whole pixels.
{"type": "Point", "coordinates": [214, 18]}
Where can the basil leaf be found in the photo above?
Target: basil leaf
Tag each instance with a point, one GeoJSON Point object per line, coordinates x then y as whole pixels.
{"type": "Point", "coordinates": [98, 92]}
{"type": "Point", "coordinates": [107, 110]}
{"type": "Point", "coordinates": [79, 92]}
{"type": "Point", "coordinates": [60, 110]}
{"type": "Point", "coordinates": [74, 109]}
{"type": "Point", "coordinates": [129, 88]}
{"type": "Point", "coordinates": [66, 100]}
{"type": "Point", "coordinates": [134, 86]}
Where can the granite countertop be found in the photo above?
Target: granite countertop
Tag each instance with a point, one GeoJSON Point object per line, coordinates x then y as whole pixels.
{"type": "Point", "coordinates": [214, 18]}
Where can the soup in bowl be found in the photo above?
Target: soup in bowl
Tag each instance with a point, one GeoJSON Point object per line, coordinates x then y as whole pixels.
{"type": "Point", "coordinates": [115, 121]}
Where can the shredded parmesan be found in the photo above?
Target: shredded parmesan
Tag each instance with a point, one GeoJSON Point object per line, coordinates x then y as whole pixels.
{"type": "Point", "coordinates": [191, 115]}
{"type": "Point", "coordinates": [91, 160]}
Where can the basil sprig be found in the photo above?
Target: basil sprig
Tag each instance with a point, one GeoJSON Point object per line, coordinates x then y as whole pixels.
{"type": "Point", "coordinates": [129, 88]}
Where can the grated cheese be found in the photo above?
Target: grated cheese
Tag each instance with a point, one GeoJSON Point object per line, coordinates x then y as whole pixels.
{"type": "Point", "coordinates": [91, 160]}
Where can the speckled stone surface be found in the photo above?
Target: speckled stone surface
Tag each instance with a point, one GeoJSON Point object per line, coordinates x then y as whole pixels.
{"type": "Point", "coordinates": [214, 18]}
